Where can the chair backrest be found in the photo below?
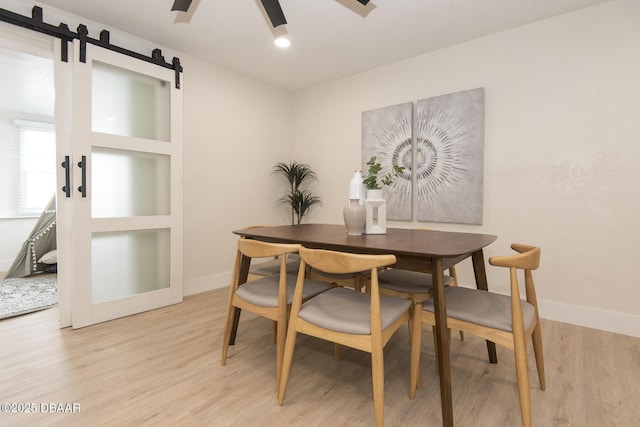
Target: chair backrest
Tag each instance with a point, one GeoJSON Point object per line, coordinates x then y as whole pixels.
{"type": "Point", "coordinates": [527, 259]}
{"type": "Point", "coordinates": [258, 249]}
{"type": "Point", "coordinates": [342, 262]}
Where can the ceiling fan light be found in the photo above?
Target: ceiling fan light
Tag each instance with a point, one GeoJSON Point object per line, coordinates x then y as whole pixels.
{"type": "Point", "coordinates": [282, 42]}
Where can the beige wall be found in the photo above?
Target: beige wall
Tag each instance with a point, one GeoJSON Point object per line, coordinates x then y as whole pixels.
{"type": "Point", "coordinates": [562, 124]}
{"type": "Point", "coordinates": [235, 130]}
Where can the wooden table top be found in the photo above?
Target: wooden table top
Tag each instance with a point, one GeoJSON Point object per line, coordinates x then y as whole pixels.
{"type": "Point", "coordinates": [399, 241]}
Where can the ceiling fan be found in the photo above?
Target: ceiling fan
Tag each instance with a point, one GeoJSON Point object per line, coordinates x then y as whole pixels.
{"type": "Point", "coordinates": [272, 7]}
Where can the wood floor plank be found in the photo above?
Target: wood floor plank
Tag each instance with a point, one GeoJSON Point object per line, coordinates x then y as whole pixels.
{"type": "Point", "coordinates": [162, 368]}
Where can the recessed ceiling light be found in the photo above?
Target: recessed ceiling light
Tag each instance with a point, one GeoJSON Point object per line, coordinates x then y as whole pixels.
{"type": "Point", "coordinates": [282, 42]}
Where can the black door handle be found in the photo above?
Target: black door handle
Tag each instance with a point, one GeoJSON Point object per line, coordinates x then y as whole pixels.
{"type": "Point", "coordinates": [82, 164]}
{"type": "Point", "coordinates": [67, 176]}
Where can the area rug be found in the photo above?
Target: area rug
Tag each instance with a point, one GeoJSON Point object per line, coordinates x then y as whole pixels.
{"type": "Point", "coordinates": [26, 295]}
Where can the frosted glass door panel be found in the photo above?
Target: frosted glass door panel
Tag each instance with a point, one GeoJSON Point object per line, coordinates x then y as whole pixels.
{"type": "Point", "coordinates": [127, 103]}
{"type": "Point", "coordinates": [128, 263]}
{"type": "Point", "coordinates": [129, 183]}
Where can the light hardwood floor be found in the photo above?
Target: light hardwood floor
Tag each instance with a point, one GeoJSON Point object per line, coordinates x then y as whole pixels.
{"type": "Point", "coordinates": [163, 368]}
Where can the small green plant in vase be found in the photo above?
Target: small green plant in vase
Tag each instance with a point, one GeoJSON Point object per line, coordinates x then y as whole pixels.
{"type": "Point", "coordinates": [375, 205]}
{"type": "Point", "coordinates": [371, 181]}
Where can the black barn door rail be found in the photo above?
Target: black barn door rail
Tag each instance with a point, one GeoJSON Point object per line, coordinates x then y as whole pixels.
{"type": "Point", "coordinates": [62, 31]}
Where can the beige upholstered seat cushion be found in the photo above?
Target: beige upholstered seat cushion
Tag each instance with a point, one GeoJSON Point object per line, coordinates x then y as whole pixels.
{"type": "Point", "coordinates": [482, 308]}
{"type": "Point", "coordinates": [272, 267]}
{"type": "Point", "coordinates": [348, 311]}
{"type": "Point", "coordinates": [409, 282]}
{"type": "Point", "coordinates": [264, 291]}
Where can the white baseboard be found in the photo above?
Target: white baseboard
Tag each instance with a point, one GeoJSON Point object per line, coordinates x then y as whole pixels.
{"type": "Point", "coordinates": [204, 284]}
{"type": "Point", "coordinates": [611, 321]}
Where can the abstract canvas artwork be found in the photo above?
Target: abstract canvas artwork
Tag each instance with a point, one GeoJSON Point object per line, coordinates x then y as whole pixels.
{"type": "Point", "coordinates": [387, 134]}
{"type": "Point", "coordinates": [443, 156]}
{"type": "Point", "coordinates": [449, 161]}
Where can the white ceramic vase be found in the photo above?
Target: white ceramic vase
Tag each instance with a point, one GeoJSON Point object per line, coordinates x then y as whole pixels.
{"type": "Point", "coordinates": [354, 217]}
{"type": "Point", "coordinates": [375, 213]}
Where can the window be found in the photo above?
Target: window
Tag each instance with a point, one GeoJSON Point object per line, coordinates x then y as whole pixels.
{"type": "Point", "coordinates": [36, 169]}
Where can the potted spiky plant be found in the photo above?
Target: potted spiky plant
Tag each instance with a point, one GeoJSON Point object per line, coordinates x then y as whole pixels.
{"type": "Point", "coordinates": [299, 198]}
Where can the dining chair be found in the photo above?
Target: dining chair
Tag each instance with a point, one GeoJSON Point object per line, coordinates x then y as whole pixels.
{"type": "Point", "coordinates": [506, 320]}
{"type": "Point", "coordinates": [364, 321]}
{"type": "Point", "coordinates": [268, 296]}
{"type": "Point", "coordinates": [272, 267]}
{"type": "Point", "coordinates": [356, 281]}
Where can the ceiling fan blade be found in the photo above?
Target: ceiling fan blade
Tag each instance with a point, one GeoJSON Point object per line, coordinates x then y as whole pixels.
{"type": "Point", "coordinates": [274, 11]}
{"type": "Point", "coordinates": [363, 2]}
{"type": "Point", "coordinates": [183, 5]}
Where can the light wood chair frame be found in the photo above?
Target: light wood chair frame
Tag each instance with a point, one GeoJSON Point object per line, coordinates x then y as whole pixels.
{"type": "Point", "coordinates": [257, 249]}
{"type": "Point", "coordinates": [341, 262]}
{"type": "Point", "coordinates": [527, 259]}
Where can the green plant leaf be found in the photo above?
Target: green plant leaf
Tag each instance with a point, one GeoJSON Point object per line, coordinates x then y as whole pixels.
{"type": "Point", "coordinates": [371, 181]}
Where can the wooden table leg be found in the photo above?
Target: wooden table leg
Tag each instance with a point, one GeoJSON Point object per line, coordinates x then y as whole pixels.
{"type": "Point", "coordinates": [244, 274]}
{"type": "Point", "coordinates": [481, 283]}
{"type": "Point", "coordinates": [442, 342]}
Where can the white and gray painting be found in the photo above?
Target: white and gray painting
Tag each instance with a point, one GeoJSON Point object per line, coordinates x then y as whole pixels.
{"type": "Point", "coordinates": [449, 163]}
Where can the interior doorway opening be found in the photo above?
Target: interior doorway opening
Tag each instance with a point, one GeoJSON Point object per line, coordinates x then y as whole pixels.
{"type": "Point", "coordinates": [27, 177]}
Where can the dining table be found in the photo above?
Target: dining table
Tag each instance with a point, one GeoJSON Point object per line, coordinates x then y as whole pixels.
{"type": "Point", "coordinates": [421, 250]}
